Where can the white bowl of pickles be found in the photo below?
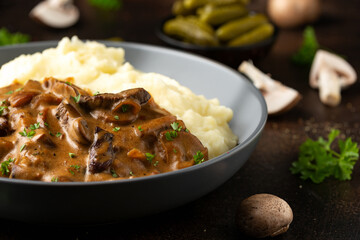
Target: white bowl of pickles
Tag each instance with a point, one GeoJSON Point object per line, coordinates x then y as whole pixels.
{"type": "Point", "coordinates": [224, 30]}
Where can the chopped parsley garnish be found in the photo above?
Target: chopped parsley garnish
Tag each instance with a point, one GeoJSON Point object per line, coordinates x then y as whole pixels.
{"type": "Point", "coordinates": [58, 134]}
{"type": "Point", "coordinates": [317, 160]}
{"type": "Point", "coordinates": [34, 126]}
{"type": "Point", "coordinates": [125, 108]}
{"type": "Point", "coordinates": [3, 102]}
{"type": "Point", "coordinates": [199, 157]}
{"type": "Point", "coordinates": [116, 117]}
{"type": "Point", "coordinates": [156, 163]}
{"type": "Point", "coordinates": [68, 83]}
{"type": "Point", "coordinates": [46, 124]}
{"type": "Point", "coordinates": [2, 109]}
{"type": "Point", "coordinates": [96, 93]}
{"type": "Point", "coordinates": [131, 173]}
{"type": "Point", "coordinates": [54, 179]}
{"type": "Point", "coordinates": [140, 129]}
{"type": "Point", "coordinates": [10, 92]}
{"type": "Point", "coordinates": [29, 134]}
{"type": "Point", "coordinates": [171, 135]}
{"type": "Point", "coordinates": [5, 166]}
{"type": "Point", "coordinates": [113, 173]}
{"type": "Point", "coordinates": [149, 157]}
{"type": "Point", "coordinates": [77, 98]}
{"type": "Point", "coordinates": [115, 129]}
{"type": "Point", "coordinates": [72, 155]}
{"type": "Point", "coordinates": [175, 126]}
{"type": "Point", "coordinates": [40, 113]}
{"type": "Point", "coordinates": [19, 89]}
{"type": "Point", "coordinates": [74, 167]}
{"type": "Point", "coordinates": [174, 150]}
{"type": "Point", "coordinates": [22, 147]}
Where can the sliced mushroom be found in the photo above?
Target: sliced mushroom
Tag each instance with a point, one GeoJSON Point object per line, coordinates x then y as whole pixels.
{"type": "Point", "coordinates": [56, 13]}
{"type": "Point", "coordinates": [79, 131]}
{"type": "Point", "coordinates": [278, 97]}
{"type": "Point", "coordinates": [21, 98]}
{"type": "Point", "coordinates": [63, 89]}
{"type": "Point", "coordinates": [122, 108]}
{"type": "Point", "coordinates": [331, 73]}
{"type": "Point", "coordinates": [101, 153]}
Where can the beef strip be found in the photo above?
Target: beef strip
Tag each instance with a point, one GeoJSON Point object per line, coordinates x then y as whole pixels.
{"type": "Point", "coordinates": [101, 154]}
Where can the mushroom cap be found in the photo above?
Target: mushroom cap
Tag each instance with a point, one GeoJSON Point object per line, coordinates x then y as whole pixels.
{"type": "Point", "coordinates": [55, 15]}
{"type": "Point", "coordinates": [263, 215]}
{"type": "Point", "coordinates": [325, 59]}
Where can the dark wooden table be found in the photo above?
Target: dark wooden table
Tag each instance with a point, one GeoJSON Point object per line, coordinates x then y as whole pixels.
{"type": "Point", "coordinates": [330, 210]}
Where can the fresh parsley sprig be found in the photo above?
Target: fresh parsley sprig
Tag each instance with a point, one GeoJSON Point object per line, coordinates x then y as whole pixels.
{"type": "Point", "coordinates": [7, 38]}
{"type": "Point", "coordinates": [317, 160]}
{"type": "Point", "coordinates": [307, 51]}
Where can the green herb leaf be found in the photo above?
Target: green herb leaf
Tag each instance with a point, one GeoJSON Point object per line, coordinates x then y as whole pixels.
{"type": "Point", "coordinates": [54, 179]}
{"type": "Point", "coordinates": [140, 129]}
{"type": "Point", "coordinates": [149, 157]}
{"type": "Point", "coordinates": [113, 173]}
{"type": "Point", "coordinates": [317, 160]}
{"type": "Point", "coordinates": [131, 173]}
{"type": "Point", "coordinates": [27, 134]}
{"type": "Point", "coordinates": [2, 109]}
{"type": "Point", "coordinates": [156, 163]}
{"type": "Point", "coordinates": [116, 117]}
{"type": "Point", "coordinates": [7, 38]}
{"type": "Point", "coordinates": [175, 126]}
{"type": "Point", "coordinates": [115, 129]}
{"type": "Point", "coordinates": [34, 126]}
{"type": "Point", "coordinates": [307, 51]}
{"type": "Point", "coordinates": [199, 157]}
{"type": "Point", "coordinates": [9, 92]}
{"type": "Point", "coordinates": [5, 166]}
{"type": "Point", "coordinates": [58, 134]}
{"type": "Point", "coordinates": [68, 83]}
{"type": "Point", "coordinates": [19, 89]}
{"type": "Point", "coordinates": [72, 155]}
{"type": "Point", "coordinates": [96, 93]}
{"type": "Point", "coordinates": [77, 98]}
{"type": "Point", "coordinates": [22, 147]}
{"type": "Point", "coordinates": [171, 135]}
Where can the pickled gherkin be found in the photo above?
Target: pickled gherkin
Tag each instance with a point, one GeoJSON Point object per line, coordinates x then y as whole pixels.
{"type": "Point", "coordinates": [235, 28]}
{"type": "Point", "coordinates": [216, 15]}
{"type": "Point", "coordinates": [192, 30]}
{"type": "Point", "coordinates": [179, 8]}
{"type": "Point", "coordinates": [192, 4]}
{"type": "Point", "coordinates": [256, 35]}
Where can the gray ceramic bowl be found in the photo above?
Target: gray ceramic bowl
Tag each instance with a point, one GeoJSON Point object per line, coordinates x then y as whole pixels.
{"type": "Point", "coordinates": [102, 202]}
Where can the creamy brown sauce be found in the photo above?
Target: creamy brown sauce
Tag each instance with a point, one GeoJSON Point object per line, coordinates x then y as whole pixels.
{"type": "Point", "coordinates": [55, 131]}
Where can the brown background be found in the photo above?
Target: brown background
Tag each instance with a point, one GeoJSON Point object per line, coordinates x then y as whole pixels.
{"type": "Point", "coordinates": [330, 210]}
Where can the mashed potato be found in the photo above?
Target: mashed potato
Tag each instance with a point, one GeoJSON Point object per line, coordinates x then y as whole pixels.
{"type": "Point", "coordinates": [99, 68]}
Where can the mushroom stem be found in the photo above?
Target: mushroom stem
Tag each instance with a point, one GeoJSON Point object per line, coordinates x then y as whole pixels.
{"type": "Point", "coordinates": [329, 87]}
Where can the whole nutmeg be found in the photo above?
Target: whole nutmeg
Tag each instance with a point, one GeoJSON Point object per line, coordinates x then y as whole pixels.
{"type": "Point", "coordinates": [263, 215]}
